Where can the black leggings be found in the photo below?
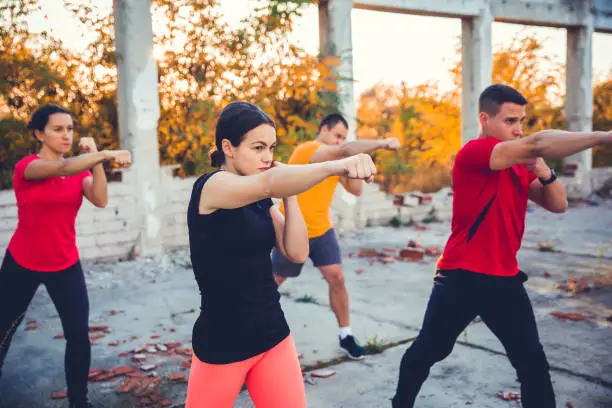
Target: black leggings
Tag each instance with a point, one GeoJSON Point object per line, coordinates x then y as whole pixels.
{"type": "Point", "coordinates": [69, 294]}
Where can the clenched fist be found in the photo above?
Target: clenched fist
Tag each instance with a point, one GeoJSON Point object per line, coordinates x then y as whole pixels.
{"type": "Point", "coordinates": [539, 168]}
{"type": "Point", "coordinates": [359, 166]}
{"type": "Point", "coordinates": [392, 144]}
{"type": "Point", "coordinates": [88, 145]}
{"type": "Point", "coordinates": [122, 157]}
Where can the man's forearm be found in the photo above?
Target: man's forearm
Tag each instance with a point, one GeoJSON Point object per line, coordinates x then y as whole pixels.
{"type": "Point", "coordinates": [557, 144]}
{"type": "Point", "coordinates": [363, 146]}
{"type": "Point", "coordinates": [554, 197]}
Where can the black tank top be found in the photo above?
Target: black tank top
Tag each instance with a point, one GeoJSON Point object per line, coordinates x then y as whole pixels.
{"type": "Point", "coordinates": [240, 313]}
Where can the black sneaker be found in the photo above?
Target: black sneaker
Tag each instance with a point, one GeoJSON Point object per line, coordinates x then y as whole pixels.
{"type": "Point", "coordinates": [353, 350]}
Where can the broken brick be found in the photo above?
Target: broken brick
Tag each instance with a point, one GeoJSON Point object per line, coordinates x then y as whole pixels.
{"type": "Point", "coordinates": [411, 254]}
{"type": "Point", "coordinates": [147, 367]}
{"type": "Point", "coordinates": [367, 252]}
{"type": "Point", "coordinates": [58, 336]}
{"type": "Point", "coordinates": [421, 228]}
{"type": "Point", "coordinates": [155, 336]}
{"type": "Point", "coordinates": [124, 354]}
{"type": "Point", "coordinates": [547, 274]}
{"type": "Point", "coordinates": [187, 351]}
{"type": "Point", "coordinates": [358, 271]}
{"type": "Point", "coordinates": [128, 385]}
{"type": "Point", "coordinates": [104, 375]}
{"type": "Point", "coordinates": [95, 337]}
{"type": "Point", "coordinates": [322, 373]}
{"type": "Point", "coordinates": [569, 315]}
{"type": "Point", "coordinates": [93, 329]}
{"type": "Point", "coordinates": [433, 251]}
{"type": "Point", "coordinates": [509, 396]}
{"type": "Point", "coordinates": [139, 358]}
{"type": "Point", "coordinates": [122, 370]}
{"type": "Point", "coordinates": [387, 259]}
{"type": "Point", "coordinates": [172, 329]}
{"type": "Point", "coordinates": [93, 373]}
{"type": "Point", "coordinates": [32, 326]}
{"type": "Point", "coordinates": [114, 343]}
{"type": "Point", "coordinates": [59, 395]}
{"type": "Point", "coordinates": [176, 377]}
{"type": "Point", "coordinates": [173, 345]}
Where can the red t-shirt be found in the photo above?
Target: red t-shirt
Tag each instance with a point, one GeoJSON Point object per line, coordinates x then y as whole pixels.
{"type": "Point", "coordinates": [45, 238]}
{"type": "Point", "coordinates": [489, 209]}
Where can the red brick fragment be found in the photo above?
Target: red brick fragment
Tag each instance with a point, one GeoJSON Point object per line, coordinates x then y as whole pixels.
{"type": "Point", "coordinates": [59, 336]}
{"type": "Point", "coordinates": [59, 395]}
{"type": "Point", "coordinates": [93, 329]}
{"type": "Point", "coordinates": [569, 316]}
{"type": "Point", "coordinates": [155, 336]}
{"type": "Point", "coordinates": [411, 254]}
{"type": "Point", "coordinates": [93, 373]}
{"type": "Point", "coordinates": [122, 370]}
{"type": "Point", "coordinates": [367, 252]}
{"type": "Point", "coordinates": [176, 377]}
{"type": "Point", "coordinates": [433, 251]}
{"type": "Point", "coordinates": [95, 337]}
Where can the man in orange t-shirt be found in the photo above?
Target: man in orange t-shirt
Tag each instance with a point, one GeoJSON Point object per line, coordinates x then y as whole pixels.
{"type": "Point", "coordinates": [315, 206]}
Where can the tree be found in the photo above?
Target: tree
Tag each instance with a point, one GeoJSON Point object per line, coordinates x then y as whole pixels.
{"type": "Point", "coordinates": [602, 120]}
{"type": "Point", "coordinates": [202, 63]}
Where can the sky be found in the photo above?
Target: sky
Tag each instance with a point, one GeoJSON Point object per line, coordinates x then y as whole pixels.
{"type": "Point", "coordinates": [378, 56]}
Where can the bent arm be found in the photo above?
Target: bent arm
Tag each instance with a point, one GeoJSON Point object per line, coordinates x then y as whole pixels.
{"type": "Point", "coordinates": [42, 169]}
{"type": "Point", "coordinates": [291, 231]}
{"type": "Point", "coordinates": [95, 188]}
{"type": "Point", "coordinates": [353, 186]}
{"type": "Point", "coordinates": [335, 152]}
{"type": "Point", "coordinates": [548, 144]}
{"type": "Point", "coordinates": [551, 197]}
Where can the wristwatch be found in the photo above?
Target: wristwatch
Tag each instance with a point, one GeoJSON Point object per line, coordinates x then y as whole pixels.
{"type": "Point", "coordinates": [551, 179]}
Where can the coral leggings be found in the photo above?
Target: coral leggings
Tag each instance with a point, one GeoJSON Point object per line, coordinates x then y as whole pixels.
{"type": "Point", "coordinates": [273, 378]}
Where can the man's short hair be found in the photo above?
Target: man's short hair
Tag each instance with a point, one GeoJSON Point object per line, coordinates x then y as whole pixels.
{"type": "Point", "coordinates": [332, 120]}
{"type": "Point", "coordinates": [492, 98]}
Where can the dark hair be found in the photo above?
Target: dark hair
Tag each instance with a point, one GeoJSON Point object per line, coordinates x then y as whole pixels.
{"type": "Point", "coordinates": [332, 120]}
{"type": "Point", "coordinates": [40, 118]}
{"type": "Point", "coordinates": [492, 98]}
{"type": "Point", "coordinates": [236, 120]}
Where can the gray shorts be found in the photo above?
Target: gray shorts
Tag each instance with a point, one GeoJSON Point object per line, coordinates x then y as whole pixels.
{"type": "Point", "coordinates": [324, 250]}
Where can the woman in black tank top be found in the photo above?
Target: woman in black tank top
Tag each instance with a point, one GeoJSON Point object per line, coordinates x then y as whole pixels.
{"type": "Point", "coordinates": [241, 334]}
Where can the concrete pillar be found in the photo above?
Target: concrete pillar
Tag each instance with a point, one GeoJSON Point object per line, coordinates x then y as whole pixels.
{"type": "Point", "coordinates": [579, 97]}
{"type": "Point", "coordinates": [477, 66]}
{"type": "Point", "coordinates": [335, 38]}
{"type": "Point", "coordinates": [138, 106]}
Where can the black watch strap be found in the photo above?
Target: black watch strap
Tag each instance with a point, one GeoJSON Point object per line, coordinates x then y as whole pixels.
{"type": "Point", "coordinates": [553, 177]}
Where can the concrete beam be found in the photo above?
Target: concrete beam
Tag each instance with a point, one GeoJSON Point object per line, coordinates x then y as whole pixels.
{"type": "Point", "coordinates": [138, 106]}
{"type": "Point", "coordinates": [603, 16]}
{"type": "Point", "coordinates": [436, 8]}
{"type": "Point", "coordinates": [579, 96]}
{"type": "Point", "coordinates": [548, 13]}
{"type": "Point", "coordinates": [476, 70]}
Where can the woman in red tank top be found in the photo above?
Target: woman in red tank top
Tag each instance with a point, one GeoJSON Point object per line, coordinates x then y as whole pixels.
{"type": "Point", "coordinates": [49, 189]}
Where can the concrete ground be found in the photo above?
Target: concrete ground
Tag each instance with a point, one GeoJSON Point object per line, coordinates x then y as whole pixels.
{"type": "Point", "coordinates": [148, 298]}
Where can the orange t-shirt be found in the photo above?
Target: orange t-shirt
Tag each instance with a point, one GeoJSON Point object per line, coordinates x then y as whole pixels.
{"type": "Point", "coordinates": [316, 202]}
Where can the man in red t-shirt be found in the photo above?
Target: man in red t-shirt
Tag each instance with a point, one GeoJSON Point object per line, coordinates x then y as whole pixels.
{"type": "Point", "coordinates": [493, 177]}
